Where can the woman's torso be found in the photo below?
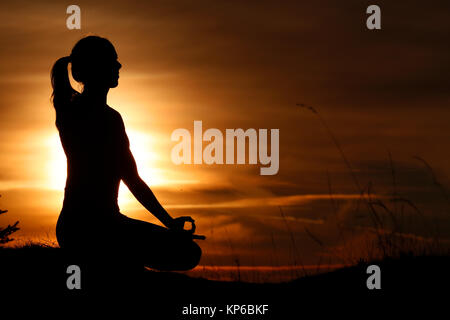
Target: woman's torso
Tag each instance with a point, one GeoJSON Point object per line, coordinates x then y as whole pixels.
{"type": "Point", "coordinates": [94, 140]}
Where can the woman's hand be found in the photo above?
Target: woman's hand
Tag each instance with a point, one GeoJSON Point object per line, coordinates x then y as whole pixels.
{"type": "Point", "coordinates": [178, 224]}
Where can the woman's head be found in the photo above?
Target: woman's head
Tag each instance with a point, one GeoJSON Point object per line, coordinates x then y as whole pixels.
{"type": "Point", "coordinates": [94, 64]}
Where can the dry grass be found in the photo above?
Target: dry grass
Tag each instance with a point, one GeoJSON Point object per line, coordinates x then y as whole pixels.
{"type": "Point", "coordinates": [387, 237]}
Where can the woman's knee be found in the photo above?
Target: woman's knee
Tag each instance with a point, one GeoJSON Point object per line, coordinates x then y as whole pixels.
{"type": "Point", "coordinates": [190, 257]}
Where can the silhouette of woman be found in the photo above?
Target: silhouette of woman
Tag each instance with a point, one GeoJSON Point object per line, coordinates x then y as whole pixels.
{"type": "Point", "coordinates": [98, 158]}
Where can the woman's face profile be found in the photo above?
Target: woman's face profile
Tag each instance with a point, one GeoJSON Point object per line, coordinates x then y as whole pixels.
{"type": "Point", "coordinates": [106, 72]}
{"type": "Point", "coordinates": [95, 64]}
{"type": "Point", "coordinates": [114, 71]}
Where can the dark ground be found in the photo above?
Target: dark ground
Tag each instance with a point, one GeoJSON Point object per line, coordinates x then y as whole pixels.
{"type": "Point", "coordinates": [31, 273]}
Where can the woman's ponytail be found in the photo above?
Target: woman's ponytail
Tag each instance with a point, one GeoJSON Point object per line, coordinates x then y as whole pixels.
{"type": "Point", "coordinates": [62, 90]}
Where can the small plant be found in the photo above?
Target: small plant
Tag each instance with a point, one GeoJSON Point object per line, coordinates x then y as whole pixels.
{"type": "Point", "coordinates": [387, 237]}
{"type": "Point", "coordinates": [9, 230]}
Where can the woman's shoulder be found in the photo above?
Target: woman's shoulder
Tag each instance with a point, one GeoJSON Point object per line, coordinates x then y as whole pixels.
{"type": "Point", "coordinates": [114, 114]}
{"type": "Point", "coordinates": [112, 111]}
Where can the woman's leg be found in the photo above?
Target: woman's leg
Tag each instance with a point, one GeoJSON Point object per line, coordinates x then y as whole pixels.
{"type": "Point", "coordinates": [160, 248]}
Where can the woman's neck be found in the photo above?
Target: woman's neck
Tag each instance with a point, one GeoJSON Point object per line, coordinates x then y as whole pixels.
{"type": "Point", "coordinates": [96, 95]}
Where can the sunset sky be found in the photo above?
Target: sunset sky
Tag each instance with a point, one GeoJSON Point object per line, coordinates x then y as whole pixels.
{"type": "Point", "coordinates": [242, 64]}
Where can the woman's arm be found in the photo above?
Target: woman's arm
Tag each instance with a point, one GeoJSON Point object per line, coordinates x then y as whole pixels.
{"type": "Point", "coordinates": [143, 193]}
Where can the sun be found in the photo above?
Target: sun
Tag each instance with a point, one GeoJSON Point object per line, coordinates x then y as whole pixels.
{"type": "Point", "coordinates": [57, 164]}
{"type": "Point", "coordinates": [143, 148]}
